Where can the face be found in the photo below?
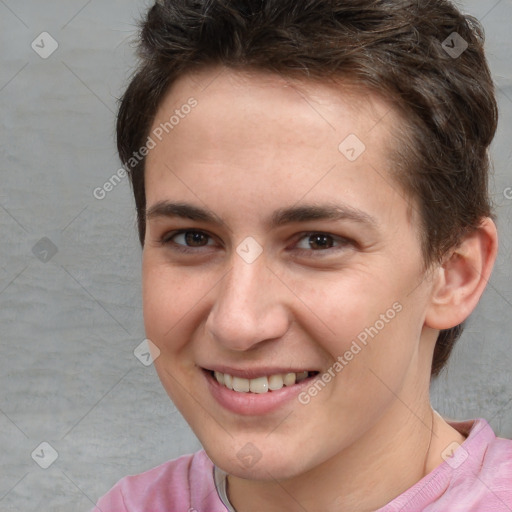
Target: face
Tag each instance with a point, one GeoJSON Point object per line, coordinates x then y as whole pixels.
{"type": "Point", "coordinates": [278, 243]}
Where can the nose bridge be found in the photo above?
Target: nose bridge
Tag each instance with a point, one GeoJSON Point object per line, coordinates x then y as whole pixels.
{"type": "Point", "coordinates": [248, 307]}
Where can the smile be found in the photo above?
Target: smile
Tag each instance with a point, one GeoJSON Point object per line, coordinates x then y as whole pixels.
{"type": "Point", "coordinates": [256, 391]}
{"type": "Point", "coordinates": [262, 384]}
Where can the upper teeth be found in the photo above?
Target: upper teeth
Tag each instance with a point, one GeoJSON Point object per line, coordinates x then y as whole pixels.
{"type": "Point", "coordinates": [260, 384]}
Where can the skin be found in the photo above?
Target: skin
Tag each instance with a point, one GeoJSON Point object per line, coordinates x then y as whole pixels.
{"type": "Point", "coordinates": [255, 143]}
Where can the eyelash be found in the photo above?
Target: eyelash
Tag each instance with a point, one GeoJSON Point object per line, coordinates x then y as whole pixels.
{"type": "Point", "coordinates": [167, 241]}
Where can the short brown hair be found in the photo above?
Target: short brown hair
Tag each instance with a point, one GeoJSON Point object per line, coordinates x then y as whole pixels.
{"type": "Point", "coordinates": [399, 49]}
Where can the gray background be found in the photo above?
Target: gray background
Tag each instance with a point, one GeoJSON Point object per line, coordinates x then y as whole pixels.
{"type": "Point", "coordinates": [70, 321]}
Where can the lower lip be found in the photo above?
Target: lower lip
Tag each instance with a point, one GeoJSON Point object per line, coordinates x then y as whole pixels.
{"type": "Point", "coordinates": [252, 404]}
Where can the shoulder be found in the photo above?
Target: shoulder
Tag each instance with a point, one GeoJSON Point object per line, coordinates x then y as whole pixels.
{"type": "Point", "coordinates": [174, 485]}
{"type": "Point", "coordinates": [475, 476]}
{"type": "Point", "coordinates": [484, 452]}
{"type": "Point", "coordinates": [481, 470]}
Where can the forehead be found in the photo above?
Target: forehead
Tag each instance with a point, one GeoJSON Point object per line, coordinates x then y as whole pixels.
{"type": "Point", "coordinates": [264, 135]}
{"type": "Point", "coordinates": [225, 91]}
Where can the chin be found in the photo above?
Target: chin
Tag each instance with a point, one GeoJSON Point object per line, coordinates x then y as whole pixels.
{"type": "Point", "coordinates": [250, 464]}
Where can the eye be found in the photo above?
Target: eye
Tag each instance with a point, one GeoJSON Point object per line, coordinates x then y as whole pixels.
{"type": "Point", "coordinates": [321, 242]}
{"type": "Point", "coordinates": [187, 240]}
{"type": "Point", "coordinates": [190, 241]}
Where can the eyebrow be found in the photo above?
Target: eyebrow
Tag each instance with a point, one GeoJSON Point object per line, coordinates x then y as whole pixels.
{"type": "Point", "coordinates": [280, 217]}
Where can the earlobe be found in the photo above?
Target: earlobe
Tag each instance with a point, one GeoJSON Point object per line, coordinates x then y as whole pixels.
{"type": "Point", "coordinates": [460, 281]}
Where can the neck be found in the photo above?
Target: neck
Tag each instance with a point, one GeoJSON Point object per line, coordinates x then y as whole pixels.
{"type": "Point", "coordinates": [390, 458]}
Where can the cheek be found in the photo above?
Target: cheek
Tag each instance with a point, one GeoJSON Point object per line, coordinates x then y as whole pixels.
{"type": "Point", "coordinates": [169, 298]}
{"type": "Point", "coordinates": [363, 320]}
{"type": "Point", "coordinates": [378, 354]}
{"type": "Point", "coordinates": [341, 306]}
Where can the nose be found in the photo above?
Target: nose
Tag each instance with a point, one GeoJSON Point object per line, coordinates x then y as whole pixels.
{"type": "Point", "coordinates": [250, 306]}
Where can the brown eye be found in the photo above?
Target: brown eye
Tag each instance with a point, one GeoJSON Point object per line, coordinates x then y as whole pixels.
{"type": "Point", "coordinates": [195, 238]}
{"type": "Point", "coordinates": [315, 242]}
{"type": "Point", "coordinates": [320, 241]}
{"type": "Point", "coordinates": [187, 239]}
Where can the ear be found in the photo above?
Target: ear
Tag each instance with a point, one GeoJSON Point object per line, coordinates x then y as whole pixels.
{"type": "Point", "coordinates": [461, 279]}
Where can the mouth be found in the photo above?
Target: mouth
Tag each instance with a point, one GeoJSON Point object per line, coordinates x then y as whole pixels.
{"type": "Point", "coordinates": [257, 391]}
{"type": "Point", "coordinates": [260, 384]}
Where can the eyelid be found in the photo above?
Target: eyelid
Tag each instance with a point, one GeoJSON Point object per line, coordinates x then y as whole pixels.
{"type": "Point", "coordinates": [343, 241]}
{"type": "Point", "coordinates": [166, 238]}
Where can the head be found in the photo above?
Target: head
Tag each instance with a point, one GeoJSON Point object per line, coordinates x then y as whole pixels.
{"type": "Point", "coordinates": [246, 109]}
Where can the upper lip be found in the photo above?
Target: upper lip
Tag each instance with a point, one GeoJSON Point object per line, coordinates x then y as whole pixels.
{"type": "Point", "coordinates": [253, 373]}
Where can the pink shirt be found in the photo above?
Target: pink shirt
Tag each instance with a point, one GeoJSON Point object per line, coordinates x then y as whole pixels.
{"type": "Point", "coordinates": [476, 478]}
